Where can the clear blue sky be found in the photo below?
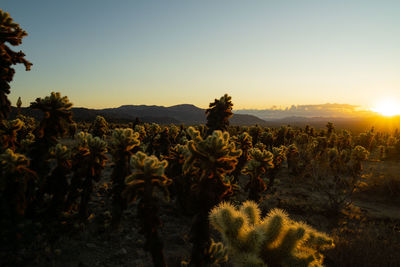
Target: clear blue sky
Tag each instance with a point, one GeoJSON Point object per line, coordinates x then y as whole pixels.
{"type": "Point", "coordinates": [109, 53]}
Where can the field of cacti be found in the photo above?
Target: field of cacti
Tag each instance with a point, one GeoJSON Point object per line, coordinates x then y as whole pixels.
{"type": "Point", "coordinates": [140, 194]}
{"type": "Point", "coordinates": [105, 194]}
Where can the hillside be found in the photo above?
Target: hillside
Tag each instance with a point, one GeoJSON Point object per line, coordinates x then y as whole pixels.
{"type": "Point", "coordinates": [178, 114]}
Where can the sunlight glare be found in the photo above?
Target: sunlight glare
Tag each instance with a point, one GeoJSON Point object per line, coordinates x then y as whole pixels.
{"type": "Point", "coordinates": [387, 107]}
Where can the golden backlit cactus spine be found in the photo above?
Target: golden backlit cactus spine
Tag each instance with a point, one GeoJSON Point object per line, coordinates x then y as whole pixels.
{"type": "Point", "coordinates": [261, 161]}
{"type": "Point", "coordinates": [274, 240]}
{"type": "Point", "coordinates": [210, 160]}
{"type": "Point", "coordinates": [123, 142]}
{"type": "Point", "coordinates": [148, 174]}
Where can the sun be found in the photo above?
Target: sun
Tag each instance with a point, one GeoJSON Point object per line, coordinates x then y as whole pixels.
{"type": "Point", "coordinates": [387, 107]}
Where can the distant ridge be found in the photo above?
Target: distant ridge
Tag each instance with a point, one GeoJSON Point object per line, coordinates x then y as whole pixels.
{"type": "Point", "coordinates": [178, 114]}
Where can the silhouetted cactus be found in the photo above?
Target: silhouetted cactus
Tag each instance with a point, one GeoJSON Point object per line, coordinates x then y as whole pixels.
{"type": "Point", "coordinates": [123, 142]}
{"type": "Point", "coordinates": [148, 174]}
{"type": "Point", "coordinates": [12, 34]}
{"type": "Point", "coordinates": [19, 103]}
{"type": "Point", "coordinates": [218, 114]}
{"type": "Point", "coordinates": [274, 240]}
{"type": "Point", "coordinates": [99, 127]}
{"type": "Point", "coordinates": [256, 168]}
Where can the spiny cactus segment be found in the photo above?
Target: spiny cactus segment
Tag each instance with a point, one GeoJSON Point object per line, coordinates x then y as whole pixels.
{"type": "Point", "coordinates": [274, 240]}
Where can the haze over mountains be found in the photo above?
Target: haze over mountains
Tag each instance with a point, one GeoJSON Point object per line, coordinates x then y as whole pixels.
{"type": "Point", "coordinates": [323, 110]}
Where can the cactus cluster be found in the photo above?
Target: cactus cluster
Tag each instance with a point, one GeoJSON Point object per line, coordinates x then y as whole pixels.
{"type": "Point", "coordinates": [274, 240]}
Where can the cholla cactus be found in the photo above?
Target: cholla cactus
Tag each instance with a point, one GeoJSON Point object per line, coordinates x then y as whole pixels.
{"type": "Point", "coordinates": [244, 142]}
{"type": "Point", "coordinates": [8, 132]}
{"type": "Point", "coordinates": [99, 127]}
{"type": "Point", "coordinates": [255, 132]}
{"type": "Point", "coordinates": [19, 103]}
{"type": "Point", "coordinates": [182, 182]}
{"type": "Point", "coordinates": [141, 130]}
{"type": "Point", "coordinates": [218, 114]}
{"type": "Point", "coordinates": [210, 160]}
{"type": "Point", "coordinates": [293, 158]}
{"type": "Point", "coordinates": [148, 173]}
{"type": "Point", "coordinates": [161, 142]}
{"type": "Point", "coordinates": [88, 162]}
{"type": "Point", "coordinates": [366, 139]}
{"type": "Point", "coordinates": [27, 142]}
{"type": "Point", "coordinates": [344, 140]}
{"type": "Point", "coordinates": [274, 240]}
{"type": "Point", "coordinates": [12, 34]}
{"type": "Point", "coordinates": [261, 161]}
{"type": "Point", "coordinates": [123, 143]}
{"type": "Point", "coordinates": [279, 154]}
{"type": "Point", "coordinates": [57, 182]}
{"type": "Point", "coordinates": [57, 116]}
{"type": "Point", "coordinates": [218, 253]}
{"type": "Point", "coordinates": [15, 175]}
{"type": "Point", "coordinates": [267, 138]}
{"type": "Point", "coordinates": [358, 154]}
{"type": "Point", "coordinates": [214, 156]}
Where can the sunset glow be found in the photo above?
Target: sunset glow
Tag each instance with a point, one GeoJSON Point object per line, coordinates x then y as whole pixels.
{"type": "Point", "coordinates": [387, 107]}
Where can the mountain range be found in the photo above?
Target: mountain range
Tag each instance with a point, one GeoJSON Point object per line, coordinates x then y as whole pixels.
{"type": "Point", "coordinates": [179, 114]}
{"type": "Point", "coordinates": [346, 116]}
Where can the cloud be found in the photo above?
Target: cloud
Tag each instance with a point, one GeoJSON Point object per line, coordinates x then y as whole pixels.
{"type": "Point", "coordinates": [321, 110]}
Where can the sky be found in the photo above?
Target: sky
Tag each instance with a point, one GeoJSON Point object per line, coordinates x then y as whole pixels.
{"type": "Point", "coordinates": [103, 53]}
